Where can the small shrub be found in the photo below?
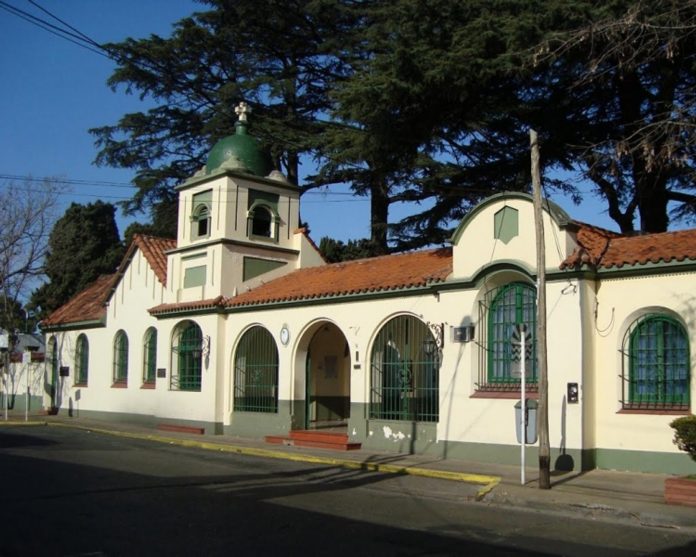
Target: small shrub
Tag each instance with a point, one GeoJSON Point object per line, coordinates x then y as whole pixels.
{"type": "Point", "coordinates": [685, 434]}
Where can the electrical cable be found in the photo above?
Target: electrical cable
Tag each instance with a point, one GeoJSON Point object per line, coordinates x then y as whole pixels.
{"type": "Point", "coordinates": [53, 29]}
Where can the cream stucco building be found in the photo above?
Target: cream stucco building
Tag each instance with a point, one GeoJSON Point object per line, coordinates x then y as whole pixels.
{"type": "Point", "coordinates": [238, 327]}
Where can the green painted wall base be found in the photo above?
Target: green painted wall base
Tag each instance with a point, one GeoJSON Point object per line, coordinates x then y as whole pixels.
{"type": "Point", "coordinates": [256, 425]}
{"type": "Point", "coordinates": [18, 403]}
{"type": "Point", "coordinates": [142, 420]}
{"type": "Point", "coordinates": [641, 461]}
{"type": "Point", "coordinates": [403, 437]}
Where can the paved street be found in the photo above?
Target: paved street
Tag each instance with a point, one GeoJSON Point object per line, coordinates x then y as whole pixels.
{"type": "Point", "coordinates": [70, 492]}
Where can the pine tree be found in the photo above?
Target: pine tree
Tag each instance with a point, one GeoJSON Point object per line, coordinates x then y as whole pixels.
{"type": "Point", "coordinates": [273, 54]}
{"type": "Point", "coordinates": [83, 245]}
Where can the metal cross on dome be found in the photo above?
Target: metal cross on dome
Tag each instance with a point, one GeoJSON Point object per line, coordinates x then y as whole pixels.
{"type": "Point", "coordinates": [241, 110]}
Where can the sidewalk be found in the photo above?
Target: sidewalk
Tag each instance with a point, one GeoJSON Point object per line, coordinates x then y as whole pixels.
{"type": "Point", "coordinates": [597, 494]}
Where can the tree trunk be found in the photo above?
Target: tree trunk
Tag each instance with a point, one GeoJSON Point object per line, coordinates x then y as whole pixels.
{"type": "Point", "coordinates": [652, 202]}
{"type": "Point", "coordinates": [379, 215]}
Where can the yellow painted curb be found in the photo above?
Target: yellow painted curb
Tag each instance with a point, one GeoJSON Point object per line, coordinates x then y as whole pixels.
{"type": "Point", "coordinates": [488, 482]}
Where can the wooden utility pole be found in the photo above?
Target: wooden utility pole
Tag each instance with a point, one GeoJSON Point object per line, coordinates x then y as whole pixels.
{"type": "Point", "coordinates": [543, 408]}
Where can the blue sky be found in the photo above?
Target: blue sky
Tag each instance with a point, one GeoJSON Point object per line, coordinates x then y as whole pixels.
{"type": "Point", "coordinates": [54, 91]}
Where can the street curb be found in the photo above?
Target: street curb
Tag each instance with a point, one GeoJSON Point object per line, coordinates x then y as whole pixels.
{"type": "Point", "coordinates": [22, 423]}
{"type": "Point", "coordinates": [487, 482]}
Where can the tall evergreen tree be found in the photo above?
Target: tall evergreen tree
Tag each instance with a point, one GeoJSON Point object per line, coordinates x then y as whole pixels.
{"type": "Point", "coordinates": [83, 245]}
{"type": "Point", "coordinates": [276, 55]}
{"type": "Point", "coordinates": [427, 113]}
{"type": "Point", "coordinates": [423, 102]}
{"type": "Point", "coordinates": [618, 94]}
{"type": "Point", "coordinates": [609, 85]}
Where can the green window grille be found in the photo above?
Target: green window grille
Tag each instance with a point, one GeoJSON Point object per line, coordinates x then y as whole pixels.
{"type": "Point", "coordinates": [188, 354]}
{"type": "Point", "coordinates": [658, 362]}
{"type": "Point", "coordinates": [502, 310]}
{"type": "Point", "coordinates": [120, 371]}
{"type": "Point", "coordinates": [81, 360]}
{"type": "Point", "coordinates": [405, 364]}
{"type": "Point", "coordinates": [150, 355]}
{"type": "Point", "coordinates": [256, 372]}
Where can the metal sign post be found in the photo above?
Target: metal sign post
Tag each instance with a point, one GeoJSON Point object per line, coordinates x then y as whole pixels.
{"type": "Point", "coordinates": [5, 377]}
{"type": "Point", "coordinates": [27, 367]}
{"type": "Point", "coordinates": [5, 351]}
{"type": "Point", "coordinates": [519, 349]}
{"type": "Point", "coordinates": [523, 402]}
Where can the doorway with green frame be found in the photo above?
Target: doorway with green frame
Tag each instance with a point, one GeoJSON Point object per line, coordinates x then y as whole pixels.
{"type": "Point", "coordinates": [327, 385]}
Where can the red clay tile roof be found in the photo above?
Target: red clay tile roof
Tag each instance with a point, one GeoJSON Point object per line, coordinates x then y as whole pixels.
{"type": "Point", "coordinates": [592, 243]}
{"type": "Point", "coordinates": [153, 249]}
{"type": "Point", "coordinates": [88, 305]}
{"type": "Point", "coordinates": [196, 305]}
{"type": "Point", "coordinates": [378, 274]}
{"type": "Point", "coordinates": [603, 249]}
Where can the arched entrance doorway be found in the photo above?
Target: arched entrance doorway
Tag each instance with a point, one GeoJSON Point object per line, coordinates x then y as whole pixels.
{"type": "Point", "coordinates": [327, 374]}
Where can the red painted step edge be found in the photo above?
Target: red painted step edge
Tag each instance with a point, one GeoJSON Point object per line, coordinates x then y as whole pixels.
{"type": "Point", "coordinates": [680, 491]}
{"type": "Point", "coordinates": [319, 436]}
{"type": "Point", "coordinates": [181, 428]}
{"type": "Point", "coordinates": [324, 444]}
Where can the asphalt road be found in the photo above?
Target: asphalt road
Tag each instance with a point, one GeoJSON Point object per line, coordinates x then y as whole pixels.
{"type": "Point", "coordinates": [69, 492]}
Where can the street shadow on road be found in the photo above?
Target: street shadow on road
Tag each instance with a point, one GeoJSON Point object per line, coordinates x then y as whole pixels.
{"type": "Point", "coordinates": [131, 497]}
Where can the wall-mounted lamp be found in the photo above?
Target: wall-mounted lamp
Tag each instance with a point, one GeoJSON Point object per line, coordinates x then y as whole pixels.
{"type": "Point", "coordinates": [429, 346]}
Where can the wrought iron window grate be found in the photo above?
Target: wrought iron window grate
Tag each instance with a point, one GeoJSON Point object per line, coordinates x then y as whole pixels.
{"type": "Point", "coordinates": [150, 355]}
{"type": "Point", "coordinates": [500, 312]}
{"type": "Point", "coordinates": [256, 372]}
{"type": "Point", "coordinates": [405, 368]}
{"type": "Point", "coordinates": [120, 359]}
{"type": "Point", "coordinates": [655, 365]}
{"type": "Point", "coordinates": [189, 355]}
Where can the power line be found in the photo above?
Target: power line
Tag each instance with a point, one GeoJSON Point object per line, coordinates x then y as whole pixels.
{"type": "Point", "coordinates": [107, 184]}
{"type": "Point", "coordinates": [69, 36]}
{"type": "Point", "coordinates": [86, 37]}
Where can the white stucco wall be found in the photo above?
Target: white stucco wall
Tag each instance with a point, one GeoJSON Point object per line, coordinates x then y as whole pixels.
{"type": "Point", "coordinates": [586, 322]}
{"type": "Point", "coordinates": [619, 302]}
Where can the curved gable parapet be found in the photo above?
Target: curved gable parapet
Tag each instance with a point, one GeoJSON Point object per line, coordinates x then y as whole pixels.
{"type": "Point", "coordinates": [501, 229]}
{"type": "Point", "coordinates": [561, 218]}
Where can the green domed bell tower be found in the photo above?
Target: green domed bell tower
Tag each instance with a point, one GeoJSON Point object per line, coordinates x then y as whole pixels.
{"type": "Point", "coordinates": [239, 151]}
{"type": "Point", "coordinates": [238, 222]}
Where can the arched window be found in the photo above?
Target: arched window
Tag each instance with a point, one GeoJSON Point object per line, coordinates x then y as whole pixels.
{"type": "Point", "coordinates": [200, 214]}
{"type": "Point", "coordinates": [503, 310]}
{"type": "Point", "coordinates": [120, 359]}
{"type": "Point", "coordinates": [200, 222]}
{"type": "Point", "coordinates": [81, 360]}
{"type": "Point", "coordinates": [656, 348]}
{"type": "Point", "coordinates": [256, 372]}
{"type": "Point", "coordinates": [405, 364]}
{"type": "Point", "coordinates": [187, 357]}
{"type": "Point", "coordinates": [262, 222]}
{"type": "Point", "coordinates": [150, 356]}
